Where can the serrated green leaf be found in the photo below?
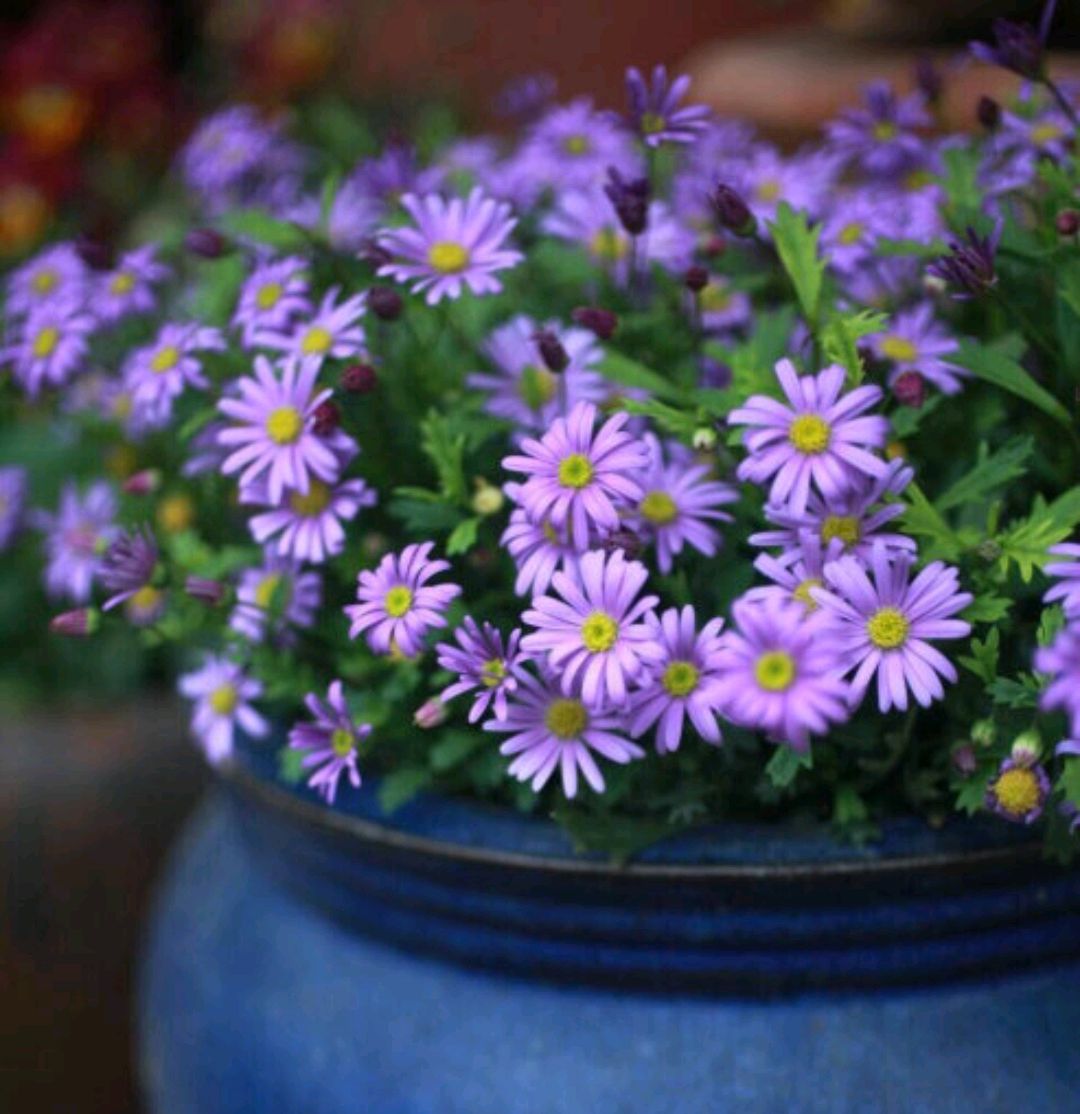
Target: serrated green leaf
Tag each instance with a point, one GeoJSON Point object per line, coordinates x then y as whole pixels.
{"type": "Point", "coordinates": [983, 661]}
{"type": "Point", "coordinates": [462, 537]}
{"type": "Point", "coordinates": [922, 518]}
{"type": "Point", "coordinates": [1051, 623]}
{"type": "Point", "coordinates": [971, 795]}
{"type": "Point", "coordinates": [986, 608]}
{"type": "Point", "coordinates": [994, 364]}
{"type": "Point", "coordinates": [1025, 543]}
{"type": "Point", "coordinates": [1022, 693]}
{"type": "Point", "coordinates": [797, 245]}
{"type": "Point", "coordinates": [785, 764]}
{"type": "Point", "coordinates": [630, 373]}
{"type": "Point", "coordinates": [446, 451]}
{"type": "Point", "coordinates": [991, 471]}
{"type": "Point", "coordinates": [906, 420]}
{"type": "Point", "coordinates": [840, 337]}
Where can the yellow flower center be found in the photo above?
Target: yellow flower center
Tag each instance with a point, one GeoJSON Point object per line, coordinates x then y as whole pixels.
{"type": "Point", "coordinates": [609, 245]}
{"type": "Point", "coordinates": [810, 434]}
{"type": "Point", "coordinates": [715, 298]}
{"type": "Point", "coordinates": [680, 678]}
{"type": "Point", "coordinates": [1017, 791]}
{"type": "Point", "coordinates": [268, 586]}
{"type": "Point", "coordinates": [917, 180]}
{"type": "Point", "coordinates": [566, 719]}
{"type": "Point", "coordinates": [165, 359]}
{"type": "Point", "coordinates": [284, 425]}
{"type": "Point", "coordinates": [223, 700]}
{"type": "Point", "coordinates": [887, 628]}
{"type": "Point", "coordinates": [774, 671]}
{"type": "Point", "coordinates": [599, 632]}
{"type": "Point", "coordinates": [575, 471]}
{"type": "Point", "coordinates": [1045, 132]}
{"type": "Point", "coordinates": [122, 283]}
{"type": "Point", "coordinates": [842, 526]}
{"type": "Point", "coordinates": [576, 144]}
{"type": "Point", "coordinates": [342, 742]}
{"type": "Point", "coordinates": [317, 341]}
{"type": "Point", "coordinates": [269, 294]}
{"type": "Point", "coordinates": [899, 349]}
{"type": "Point", "coordinates": [802, 592]}
{"type": "Point", "coordinates": [44, 281]}
{"type": "Point", "coordinates": [768, 190]}
{"type": "Point", "coordinates": [175, 513]}
{"type": "Point", "coordinates": [46, 341]}
{"type": "Point", "coordinates": [312, 504]}
{"type": "Point", "coordinates": [652, 123]}
{"type": "Point", "coordinates": [448, 258]}
{"type": "Point", "coordinates": [145, 599]}
{"type": "Point", "coordinates": [850, 234]}
{"type": "Point", "coordinates": [493, 672]}
{"type": "Point", "coordinates": [397, 601]}
{"type": "Point", "coordinates": [884, 130]}
{"type": "Point", "coordinates": [658, 508]}
{"type": "Point", "coordinates": [550, 533]}
{"type": "Point", "coordinates": [537, 386]}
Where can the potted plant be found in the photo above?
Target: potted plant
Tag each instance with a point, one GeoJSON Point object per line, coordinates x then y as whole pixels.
{"type": "Point", "coordinates": [607, 558]}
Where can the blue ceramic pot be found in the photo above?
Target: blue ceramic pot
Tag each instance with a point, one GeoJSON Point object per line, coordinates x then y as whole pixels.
{"type": "Point", "coordinates": [461, 960]}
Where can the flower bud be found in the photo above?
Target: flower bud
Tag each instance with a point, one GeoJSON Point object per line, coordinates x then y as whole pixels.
{"type": "Point", "coordinates": [704, 439]}
{"type": "Point", "coordinates": [714, 247]}
{"type": "Point", "coordinates": [375, 254]}
{"type": "Point", "coordinates": [145, 482]}
{"type": "Point", "coordinates": [696, 278]}
{"type": "Point", "coordinates": [983, 733]}
{"type": "Point", "coordinates": [385, 303]}
{"type": "Point", "coordinates": [210, 592]}
{"type": "Point", "coordinates": [432, 713]}
{"type": "Point", "coordinates": [988, 113]}
{"type": "Point", "coordinates": [597, 320]}
{"type": "Point", "coordinates": [910, 389]}
{"type": "Point", "coordinates": [731, 211]}
{"type": "Point", "coordinates": [80, 623]}
{"type": "Point", "coordinates": [487, 498]}
{"type": "Point", "coordinates": [207, 243]}
{"type": "Point", "coordinates": [1026, 748]}
{"type": "Point", "coordinates": [1067, 222]}
{"type": "Point", "coordinates": [630, 198]}
{"type": "Point", "coordinates": [963, 759]}
{"type": "Point", "coordinates": [326, 419]}
{"type": "Point", "coordinates": [359, 379]}
{"type": "Point", "coordinates": [988, 550]}
{"type": "Point", "coordinates": [556, 358]}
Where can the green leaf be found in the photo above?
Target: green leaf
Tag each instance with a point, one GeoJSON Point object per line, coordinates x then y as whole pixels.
{"type": "Point", "coordinates": [629, 373]}
{"type": "Point", "coordinates": [446, 451]}
{"type": "Point", "coordinates": [1069, 782]}
{"type": "Point", "coordinates": [1051, 622]}
{"type": "Point", "coordinates": [1023, 693]}
{"type": "Point", "coordinates": [906, 420]}
{"type": "Point", "coordinates": [399, 787]}
{"type": "Point", "coordinates": [961, 182]}
{"type": "Point", "coordinates": [797, 245]}
{"type": "Point", "coordinates": [785, 765]}
{"type": "Point", "coordinates": [426, 514]}
{"type": "Point", "coordinates": [971, 795]}
{"type": "Point", "coordinates": [994, 364]}
{"type": "Point", "coordinates": [983, 661]}
{"type": "Point", "coordinates": [991, 471]}
{"type": "Point", "coordinates": [462, 537]}
{"type": "Point", "coordinates": [1026, 542]}
{"type": "Point", "coordinates": [217, 287]}
{"type": "Point", "coordinates": [254, 224]}
{"type": "Point", "coordinates": [922, 518]}
{"type": "Point", "coordinates": [679, 423]}
{"type": "Point", "coordinates": [986, 608]}
{"type": "Point", "coordinates": [840, 337]}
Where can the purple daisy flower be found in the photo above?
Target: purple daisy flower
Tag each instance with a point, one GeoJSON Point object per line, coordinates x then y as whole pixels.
{"type": "Point", "coordinates": [677, 505]}
{"type": "Point", "coordinates": [50, 345]}
{"type": "Point", "coordinates": [881, 138]}
{"type": "Point", "coordinates": [483, 665]}
{"type": "Point", "coordinates": [654, 111]}
{"type": "Point", "coordinates": [1060, 661]}
{"type": "Point", "coordinates": [308, 527]}
{"type": "Point", "coordinates": [272, 297]}
{"type": "Point", "coordinates": [522, 390]}
{"type": "Point", "coordinates": [76, 537]}
{"type": "Point", "coordinates": [127, 570]}
{"type": "Point", "coordinates": [275, 599]}
{"type": "Point", "coordinates": [1018, 791]}
{"type": "Point", "coordinates": [1067, 590]}
{"type": "Point", "coordinates": [221, 691]}
{"type": "Point", "coordinates": [805, 180]}
{"type": "Point", "coordinates": [914, 341]}
{"type": "Point", "coordinates": [723, 308]}
{"type": "Point", "coordinates": [776, 673]}
{"type": "Point", "coordinates": [577, 479]}
{"type": "Point", "coordinates": [796, 571]}
{"type": "Point", "coordinates": [129, 287]}
{"type": "Point", "coordinates": [54, 274]}
{"type": "Point", "coordinates": [549, 730]}
{"type": "Point", "coordinates": [883, 625]}
{"type": "Point", "coordinates": [819, 438]}
{"type": "Point", "coordinates": [224, 152]}
{"type": "Point", "coordinates": [539, 549]}
{"type": "Point", "coordinates": [397, 606]}
{"type": "Point", "coordinates": [1046, 134]}
{"type": "Point", "coordinates": [274, 431]}
{"type": "Point", "coordinates": [329, 744]}
{"type": "Point", "coordinates": [12, 503]}
{"type": "Point", "coordinates": [1018, 47]}
{"type": "Point", "coordinates": [353, 218]}
{"type": "Point", "coordinates": [395, 172]}
{"type": "Point", "coordinates": [596, 636]}
{"type": "Point", "coordinates": [455, 244]}
{"type": "Point", "coordinates": [682, 683]}
{"type": "Point", "coordinates": [332, 332]}
{"type": "Point", "coordinates": [157, 373]}
{"type": "Point", "coordinates": [851, 229]}
{"type": "Point", "coordinates": [969, 268]}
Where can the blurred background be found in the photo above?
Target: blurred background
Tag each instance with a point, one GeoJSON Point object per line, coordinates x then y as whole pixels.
{"type": "Point", "coordinates": [95, 96]}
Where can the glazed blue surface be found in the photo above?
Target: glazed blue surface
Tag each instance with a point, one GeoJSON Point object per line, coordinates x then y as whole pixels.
{"type": "Point", "coordinates": [263, 994]}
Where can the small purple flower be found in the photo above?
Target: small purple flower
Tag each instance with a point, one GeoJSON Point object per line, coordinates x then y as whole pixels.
{"type": "Point", "coordinates": [1018, 791]}
{"type": "Point", "coordinates": [221, 691]}
{"type": "Point", "coordinates": [969, 268]}
{"type": "Point", "coordinates": [483, 665]}
{"type": "Point", "coordinates": [129, 287]}
{"type": "Point", "coordinates": [395, 172]}
{"type": "Point", "coordinates": [819, 438]}
{"type": "Point", "coordinates": [595, 636]}
{"type": "Point", "coordinates": [723, 308]}
{"type": "Point", "coordinates": [50, 345]}
{"type": "Point", "coordinates": [454, 244]}
{"type": "Point", "coordinates": [549, 730]}
{"type": "Point", "coordinates": [127, 571]}
{"type": "Point", "coordinates": [914, 341]}
{"type": "Point", "coordinates": [682, 683]}
{"type": "Point", "coordinates": [54, 274]}
{"type": "Point", "coordinates": [1048, 134]}
{"type": "Point", "coordinates": [776, 673]}
{"type": "Point", "coordinates": [273, 296]}
{"type": "Point", "coordinates": [308, 527]}
{"type": "Point", "coordinates": [12, 503]}
{"type": "Point", "coordinates": [539, 549]}
{"type": "Point", "coordinates": [1067, 590]}
{"type": "Point", "coordinates": [795, 572]}
{"type": "Point", "coordinates": [654, 111]}
{"type": "Point", "coordinates": [397, 606]}
{"type": "Point", "coordinates": [276, 599]}
{"type": "Point", "coordinates": [883, 625]}
{"type": "Point", "coordinates": [1060, 661]}
{"type": "Point", "coordinates": [1018, 47]}
{"type": "Point", "coordinates": [578, 479]}
{"type": "Point", "coordinates": [524, 98]}
{"type": "Point", "coordinates": [805, 180]}
{"type": "Point", "coordinates": [332, 332]}
{"type": "Point", "coordinates": [353, 218]}
{"type": "Point", "coordinates": [274, 431]}
{"type": "Point", "coordinates": [881, 138]}
{"type": "Point", "coordinates": [158, 373]}
{"type": "Point", "coordinates": [329, 744]}
{"type": "Point", "coordinates": [76, 536]}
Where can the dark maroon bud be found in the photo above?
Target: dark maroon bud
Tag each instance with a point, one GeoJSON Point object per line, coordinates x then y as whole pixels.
{"type": "Point", "coordinates": [359, 379]}
{"type": "Point", "coordinates": [327, 418]}
{"type": "Point", "coordinates": [964, 760]}
{"type": "Point", "coordinates": [714, 247]}
{"type": "Point", "coordinates": [206, 243]}
{"type": "Point", "coordinates": [94, 252]}
{"type": "Point", "coordinates": [928, 78]}
{"type": "Point", "coordinates": [1067, 222]}
{"type": "Point", "coordinates": [969, 268]}
{"type": "Point", "coordinates": [385, 303]}
{"type": "Point", "coordinates": [76, 624]}
{"type": "Point", "coordinates": [696, 278]}
{"type": "Point", "coordinates": [988, 113]}
{"type": "Point", "coordinates": [556, 358]}
{"type": "Point", "coordinates": [731, 211]}
{"type": "Point", "coordinates": [910, 389]}
{"type": "Point", "coordinates": [210, 592]}
{"type": "Point", "coordinates": [600, 321]}
{"type": "Point", "coordinates": [630, 198]}
{"type": "Point", "coordinates": [625, 539]}
{"type": "Point", "coordinates": [375, 254]}
{"type": "Point", "coordinates": [145, 482]}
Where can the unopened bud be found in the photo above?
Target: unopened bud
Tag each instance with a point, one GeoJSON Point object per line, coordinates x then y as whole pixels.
{"type": "Point", "coordinates": [704, 439]}
{"type": "Point", "coordinates": [359, 379]}
{"type": "Point", "coordinates": [432, 713]}
{"type": "Point", "coordinates": [964, 760]}
{"type": "Point", "coordinates": [714, 247]}
{"type": "Point", "coordinates": [600, 321]}
{"type": "Point", "coordinates": [326, 419]}
{"type": "Point", "coordinates": [385, 303]}
{"type": "Point", "coordinates": [696, 278]}
{"type": "Point", "coordinates": [1026, 748]}
{"type": "Point", "coordinates": [145, 482]}
{"type": "Point", "coordinates": [375, 254]}
{"type": "Point", "coordinates": [487, 498]}
{"type": "Point", "coordinates": [210, 592]}
{"type": "Point", "coordinates": [988, 113]}
{"type": "Point", "coordinates": [207, 243]}
{"type": "Point", "coordinates": [80, 623]}
{"type": "Point", "coordinates": [988, 550]}
{"type": "Point", "coordinates": [731, 211]}
{"type": "Point", "coordinates": [910, 389]}
{"type": "Point", "coordinates": [983, 732]}
{"type": "Point", "coordinates": [556, 358]}
{"type": "Point", "coordinates": [1067, 222]}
